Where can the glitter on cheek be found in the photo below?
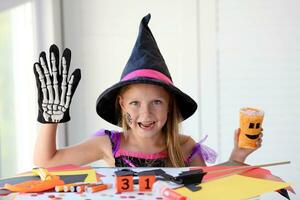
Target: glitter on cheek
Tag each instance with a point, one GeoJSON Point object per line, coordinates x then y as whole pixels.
{"type": "Point", "coordinates": [128, 118]}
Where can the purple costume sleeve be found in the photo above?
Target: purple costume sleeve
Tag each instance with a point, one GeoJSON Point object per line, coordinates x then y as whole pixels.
{"type": "Point", "coordinates": [114, 136]}
{"type": "Point", "coordinates": [205, 152]}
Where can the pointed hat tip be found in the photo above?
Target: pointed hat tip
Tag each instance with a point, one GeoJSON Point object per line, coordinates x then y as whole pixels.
{"type": "Point", "coordinates": [146, 19]}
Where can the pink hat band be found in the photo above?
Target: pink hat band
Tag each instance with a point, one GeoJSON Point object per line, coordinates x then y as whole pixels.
{"type": "Point", "coordinates": [149, 73]}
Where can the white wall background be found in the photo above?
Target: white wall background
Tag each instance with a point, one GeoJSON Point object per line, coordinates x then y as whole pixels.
{"type": "Point", "coordinates": [225, 54]}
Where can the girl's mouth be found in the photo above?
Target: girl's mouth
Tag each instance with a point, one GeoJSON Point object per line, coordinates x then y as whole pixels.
{"type": "Point", "coordinates": [146, 125]}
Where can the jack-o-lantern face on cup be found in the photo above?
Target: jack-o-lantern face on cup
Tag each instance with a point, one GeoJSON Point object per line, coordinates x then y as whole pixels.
{"type": "Point", "coordinates": [250, 124]}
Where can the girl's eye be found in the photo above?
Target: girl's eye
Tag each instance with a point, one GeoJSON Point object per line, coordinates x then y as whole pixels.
{"type": "Point", "coordinates": [157, 102]}
{"type": "Point", "coordinates": [134, 103]}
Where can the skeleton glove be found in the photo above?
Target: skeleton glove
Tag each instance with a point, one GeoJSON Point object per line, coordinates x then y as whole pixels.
{"type": "Point", "coordinates": [55, 89]}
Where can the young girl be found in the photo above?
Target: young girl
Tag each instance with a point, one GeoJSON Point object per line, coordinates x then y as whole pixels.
{"type": "Point", "coordinates": [145, 103]}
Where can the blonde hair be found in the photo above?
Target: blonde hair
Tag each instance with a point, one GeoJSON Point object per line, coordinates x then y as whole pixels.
{"type": "Point", "coordinates": [170, 130]}
{"type": "Point", "coordinates": [173, 141]}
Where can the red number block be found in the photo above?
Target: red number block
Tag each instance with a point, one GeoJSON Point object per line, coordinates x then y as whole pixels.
{"type": "Point", "coordinates": [146, 182]}
{"type": "Point", "coordinates": [124, 183]}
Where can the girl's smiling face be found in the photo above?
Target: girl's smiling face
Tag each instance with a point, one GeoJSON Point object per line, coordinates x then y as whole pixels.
{"type": "Point", "coordinates": [145, 108]}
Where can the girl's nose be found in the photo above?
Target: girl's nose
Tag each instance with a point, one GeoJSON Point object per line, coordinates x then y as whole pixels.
{"type": "Point", "coordinates": [145, 109]}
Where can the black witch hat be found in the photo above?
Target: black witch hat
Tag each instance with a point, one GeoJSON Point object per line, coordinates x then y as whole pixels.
{"type": "Point", "coordinates": [145, 65]}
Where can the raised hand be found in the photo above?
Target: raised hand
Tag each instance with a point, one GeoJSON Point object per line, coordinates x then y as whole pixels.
{"type": "Point", "coordinates": [55, 89]}
{"type": "Point", "coordinates": [240, 154]}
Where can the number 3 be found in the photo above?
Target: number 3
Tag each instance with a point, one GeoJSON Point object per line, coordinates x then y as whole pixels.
{"type": "Point", "coordinates": [125, 184]}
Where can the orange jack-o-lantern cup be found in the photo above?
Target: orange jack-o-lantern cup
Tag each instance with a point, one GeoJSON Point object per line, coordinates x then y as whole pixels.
{"type": "Point", "coordinates": [250, 124]}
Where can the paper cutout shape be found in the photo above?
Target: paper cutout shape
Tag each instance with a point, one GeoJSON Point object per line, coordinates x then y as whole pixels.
{"type": "Point", "coordinates": [67, 173]}
{"type": "Point", "coordinates": [255, 173]}
{"type": "Point", "coordinates": [233, 187]}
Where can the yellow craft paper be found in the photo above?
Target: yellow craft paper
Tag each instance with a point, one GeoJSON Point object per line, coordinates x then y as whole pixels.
{"type": "Point", "coordinates": [233, 187]}
{"type": "Point", "coordinates": [91, 174]}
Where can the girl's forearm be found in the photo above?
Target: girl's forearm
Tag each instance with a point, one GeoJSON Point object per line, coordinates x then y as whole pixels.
{"type": "Point", "coordinates": [45, 147]}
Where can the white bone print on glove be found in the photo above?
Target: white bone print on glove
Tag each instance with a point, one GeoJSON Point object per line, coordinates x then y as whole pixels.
{"type": "Point", "coordinates": [55, 90]}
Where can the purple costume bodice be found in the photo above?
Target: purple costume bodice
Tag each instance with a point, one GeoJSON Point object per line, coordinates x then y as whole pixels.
{"type": "Point", "coordinates": [125, 158]}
